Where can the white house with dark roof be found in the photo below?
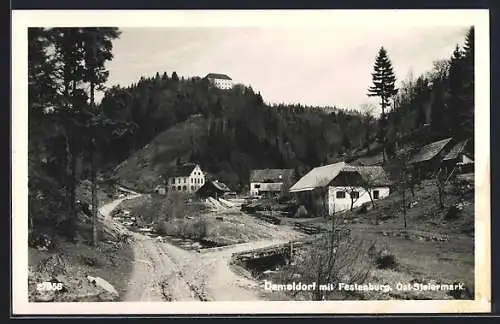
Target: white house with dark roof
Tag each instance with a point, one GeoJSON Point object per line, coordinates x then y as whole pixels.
{"type": "Point", "coordinates": [185, 178]}
{"type": "Point", "coordinates": [269, 181]}
{"type": "Point", "coordinates": [334, 187]}
{"type": "Point", "coordinates": [221, 81]}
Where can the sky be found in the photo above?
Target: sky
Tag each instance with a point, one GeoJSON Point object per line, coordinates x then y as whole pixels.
{"type": "Point", "coordinates": [320, 66]}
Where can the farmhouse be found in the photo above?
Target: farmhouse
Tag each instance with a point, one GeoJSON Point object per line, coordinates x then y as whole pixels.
{"type": "Point", "coordinates": [459, 158]}
{"type": "Point", "coordinates": [213, 189]}
{"type": "Point", "coordinates": [269, 181]}
{"type": "Point", "coordinates": [428, 159]}
{"type": "Point", "coordinates": [221, 81]}
{"type": "Point", "coordinates": [337, 187]}
{"type": "Point", "coordinates": [186, 178]}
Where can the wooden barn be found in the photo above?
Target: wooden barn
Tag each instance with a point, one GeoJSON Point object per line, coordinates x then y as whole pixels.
{"type": "Point", "coordinates": [214, 189]}
{"type": "Point", "coordinates": [427, 160]}
{"type": "Point", "coordinates": [459, 159]}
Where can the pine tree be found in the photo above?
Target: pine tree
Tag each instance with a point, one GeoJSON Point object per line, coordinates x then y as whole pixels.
{"type": "Point", "coordinates": [383, 86]}
{"type": "Point", "coordinates": [461, 101]}
{"type": "Point", "coordinates": [469, 43]}
{"type": "Point", "coordinates": [383, 80]}
{"type": "Point", "coordinates": [98, 46]}
{"type": "Point", "coordinates": [468, 62]}
{"type": "Point", "coordinates": [175, 77]}
{"type": "Point", "coordinates": [438, 108]}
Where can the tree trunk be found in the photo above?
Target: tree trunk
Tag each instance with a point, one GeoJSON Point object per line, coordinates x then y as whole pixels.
{"type": "Point", "coordinates": [94, 194]}
{"type": "Point", "coordinates": [404, 203]}
{"type": "Point", "coordinates": [371, 198]}
{"type": "Point", "coordinates": [93, 171]}
{"type": "Point", "coordinates": [70, 199]}
{"type": "Point", "coordinates": [441, 200]}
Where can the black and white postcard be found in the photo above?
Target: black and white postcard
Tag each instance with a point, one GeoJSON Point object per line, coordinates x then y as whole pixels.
{"type": "Point", "coordinates": [223, 162]}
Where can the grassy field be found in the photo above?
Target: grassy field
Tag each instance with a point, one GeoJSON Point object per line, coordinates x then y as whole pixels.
{"type": "Point", "coordinates": [434, 250]}
{"type": "Point", "coordinates": [224, 228]}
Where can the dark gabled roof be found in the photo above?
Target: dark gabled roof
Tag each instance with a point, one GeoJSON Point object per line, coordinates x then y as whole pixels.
{"type": "Point", "coordinates": [217, 76]}
{"type": "Point", "coordinates": [456, 150]}
{"type": "Point", "coordinates": [270, 175]}
{"type": "Point", "coordinates": [181, 170]}
{"type": "Point", "coordinates": [429, 151]}
{"type": "Point", "coordinates": [374, 175]}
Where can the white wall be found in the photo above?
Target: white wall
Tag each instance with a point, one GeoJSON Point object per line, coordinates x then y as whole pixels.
{"type": "Point", "coordinates": [222, 83]}
{"type": "Point", "coordinates": [341, 204]}
{"type": "Point", "coordinates": [193, 182]}
{"type": "Point", "coordinates": [276, 186]}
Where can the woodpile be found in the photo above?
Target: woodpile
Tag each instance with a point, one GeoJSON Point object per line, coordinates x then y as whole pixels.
{"type": "Point", "coordinates": [308, 229]}
{"type": "Point", "coordinates": [268, 218]}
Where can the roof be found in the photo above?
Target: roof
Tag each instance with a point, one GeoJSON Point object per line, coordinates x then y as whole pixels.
{"type": "Point", "coordinates": [429, 151]}
{"type": "Point", "coordinates": [217, 76]}
{"type": "Point", "coordinates": [270, 175]}
{"type": "Point", "coordinates": [370, 160]}
{"type": "Point", "coordinates": [456, 150]}
{"type": "Point", "coordinates": [220, 186]}
{"type": "Point", "coordinates": [318, 177]}
{"type": "Point", "coordinates": [321, 176]}
{"type": "Point", "coordinates": [181, 170]}
{"type": "Point", "coordinates": [374, 175]}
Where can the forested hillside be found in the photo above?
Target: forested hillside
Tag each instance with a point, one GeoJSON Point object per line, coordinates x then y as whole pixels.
{"type": "Point", "coordinates": [443, 98]}
{"type": "Point", "coordinates": [240, 132]}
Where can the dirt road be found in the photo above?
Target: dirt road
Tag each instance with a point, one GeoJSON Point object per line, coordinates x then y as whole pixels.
{"type": "Point", "coordinates": [164, 272]}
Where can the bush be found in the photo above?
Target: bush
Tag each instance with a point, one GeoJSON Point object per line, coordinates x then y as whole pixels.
{"type": "Point", "coordinates": [382, 257]}
{"type": "Point", "coordinates": [173, 206]}
{"type": "Point", "coordinates": [196, 230]}
{"type": "Point", "coordinates": [183, 228]}
{"type": "Point", "coordinates": [452, 213]}
{"type": "Point", "coordinates": [330, 259]}
{"type": "Point", "coordinates": [385, 260]}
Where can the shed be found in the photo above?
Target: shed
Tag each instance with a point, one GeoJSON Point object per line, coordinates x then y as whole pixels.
{"type": "Point", "coordinates": [428, 159]}
{"type": "Point", "coordinates": [213, 189]}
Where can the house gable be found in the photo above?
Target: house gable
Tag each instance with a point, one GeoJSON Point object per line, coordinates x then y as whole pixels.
{"type": "Point", "coordinates": [347, 178]}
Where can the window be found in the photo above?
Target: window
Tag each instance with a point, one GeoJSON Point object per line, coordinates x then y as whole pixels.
{"type": "Point", "coordinates": [192, 180]}
{"type": "Point", "coordinates": [201, 180]}
{"type": "Point", "coordinates": [376, 194]}
{"type": "Point", "coordinates": [185, 180]}
{"type": "Point", "coordinates": [173, 180]}
{"type": "Point", "coordinates": [354, 195]}
{"type": "Point", "coordinates": [340, 195]}
{"type": "Point", "coordinates": [192, 187]}
{"type": "Point", "coordinates": [256, 186]}
{"type": "Point", "coordinates": [184, 188]}
{"type": "Point", "coordinates": [179, 188]}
